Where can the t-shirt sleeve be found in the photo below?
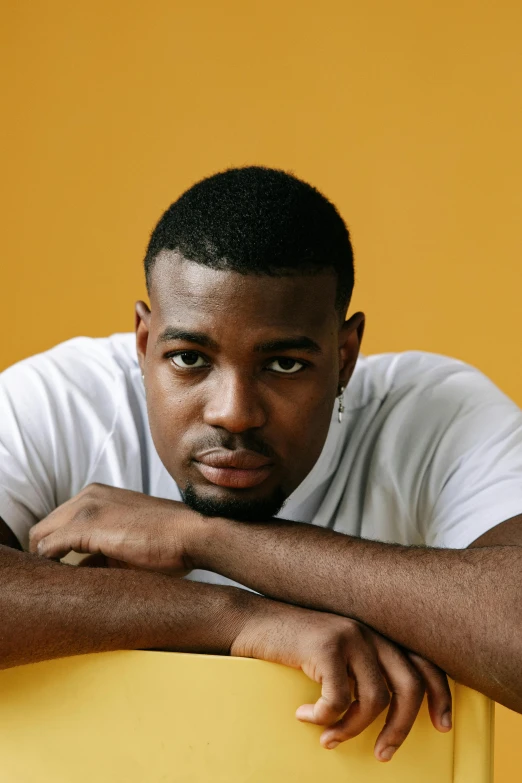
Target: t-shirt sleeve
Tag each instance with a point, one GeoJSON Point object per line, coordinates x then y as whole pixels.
{"type": "Point", "coordinates": [51, 433]}
{"type": "Point", "coordinates": [472, 477]}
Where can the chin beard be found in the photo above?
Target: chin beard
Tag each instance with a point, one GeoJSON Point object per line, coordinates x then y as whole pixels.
{"type": "Point", "coordinates": [235, 508]}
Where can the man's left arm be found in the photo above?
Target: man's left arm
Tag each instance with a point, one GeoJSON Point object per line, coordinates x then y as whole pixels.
{"type": "Point", "coordinates": [460, 608]}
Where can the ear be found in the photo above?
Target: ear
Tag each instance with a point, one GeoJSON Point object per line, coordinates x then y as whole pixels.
{"type": "Point", "coordinates": [350, 338]}
{"type": "Point", "coordinates": [142, 325]}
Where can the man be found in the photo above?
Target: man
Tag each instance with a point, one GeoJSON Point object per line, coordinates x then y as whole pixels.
{"type": "Point", "coordinates": [371, 505]}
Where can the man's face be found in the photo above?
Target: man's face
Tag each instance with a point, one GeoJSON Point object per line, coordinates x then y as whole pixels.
{"type": "Point", "coordinates": [241, 374]}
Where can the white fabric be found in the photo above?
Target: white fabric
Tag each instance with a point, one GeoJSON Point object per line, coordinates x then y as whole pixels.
{"type": "Point", "coordinates": [429, 451]}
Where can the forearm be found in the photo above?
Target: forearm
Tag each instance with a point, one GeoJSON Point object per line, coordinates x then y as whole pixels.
{"type": "Point", "coordinates": [460, 609]}
{"type": "Point", "coordinates": [50, 610]}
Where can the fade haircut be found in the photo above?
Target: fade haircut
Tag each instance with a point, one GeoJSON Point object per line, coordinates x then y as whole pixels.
{"type": "Point", "coordinates": [257, 221]}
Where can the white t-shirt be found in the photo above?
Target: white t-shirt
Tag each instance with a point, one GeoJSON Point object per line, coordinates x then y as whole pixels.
{"type": "Point", "coordinates": [429, 451]}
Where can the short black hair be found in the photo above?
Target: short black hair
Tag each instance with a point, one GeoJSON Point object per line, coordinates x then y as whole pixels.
{"type": "Point", "coordinates": [257, 220]}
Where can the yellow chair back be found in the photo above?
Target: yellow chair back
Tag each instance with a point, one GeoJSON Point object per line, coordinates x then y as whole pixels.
{"type": "Point", "coordinates": [142, 717]}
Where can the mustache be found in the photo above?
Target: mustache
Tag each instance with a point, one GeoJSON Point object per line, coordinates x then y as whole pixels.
{"type": "Point", "coordinates": [244, 441]}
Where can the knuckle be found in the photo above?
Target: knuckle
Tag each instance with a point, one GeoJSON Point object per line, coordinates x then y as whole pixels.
{"type": "Point", "coordinates": [349, 628]}
{"type": "Point", "coordinates": [343, 734]}
{"type": "Point", "coordinates": [86, 513]}
{"type": "Point", "coordinates": [429, 670]}
{"type": "Point", "coordinates": [327, 644]}
{"type": "Point", "coordinates": [397, 734]}
{"type": "Point", "coordinates": [339, 634]}
{"type": "Point", "coordinates": [84, 541]}
{"type": "Point", "coordinates": [339, 701]}
{"type": "Point", "coordinates": [411, 693]}
{"type": "Point", "coordinates": [438, 681]}
{"type": "Point", "coordinates": [377, 700]}
{"type": "Point", "coordinates": [414, 680]}
{"type": "Point", "coordinates": [92, 490]}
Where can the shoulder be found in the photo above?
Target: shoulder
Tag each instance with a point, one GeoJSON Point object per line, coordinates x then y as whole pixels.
{"type": "Point", "coordinates": [420, 407]}
{"type": "Point", "coordinates": [82, 368]}
{"type": "Point", "coordinates": [75, 392]}
{"type": "Point", "coordinates": [60, 411]}
{"type": "Point", "coordinates": [444, 441]}
{"type": "Point", "coordinates": [104, 357]}
{"type": "Point", "coordinates": [423, 380]}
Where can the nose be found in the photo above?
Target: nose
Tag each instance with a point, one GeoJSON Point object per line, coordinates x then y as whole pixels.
{"type": "Point", "coordinates": [235, 404]}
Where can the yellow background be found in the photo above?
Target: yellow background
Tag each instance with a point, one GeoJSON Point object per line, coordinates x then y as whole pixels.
{"type": "Point", "coordinates": [407, 114]}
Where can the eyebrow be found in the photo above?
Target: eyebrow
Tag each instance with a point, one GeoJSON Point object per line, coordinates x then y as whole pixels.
{"type": "Point", "coordinates": [200, 338]}
{"type": "Point", "coordinates": [300, 343]}
{"type": "Point", "coordinates": [289, 344]}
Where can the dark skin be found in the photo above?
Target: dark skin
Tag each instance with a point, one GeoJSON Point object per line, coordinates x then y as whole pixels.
{"type": "Point", "coordinates": [246, 399]}
{"type": "Point", "coordinates": [242, 340]}
{"type": "Point", "coordinates": [230, 394]}
{"type": "Point", "coordinates": [255, 404]}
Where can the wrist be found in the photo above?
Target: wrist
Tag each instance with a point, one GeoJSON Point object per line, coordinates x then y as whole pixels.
{"type": "Point", "coordinates": [194, 617]}
{"type": "Point", "coordinates": [202, 540]}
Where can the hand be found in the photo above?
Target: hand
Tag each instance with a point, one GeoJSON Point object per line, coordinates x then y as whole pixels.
{"type": "Point", "coordinates": [336, 651]}
{"type": "Point", "coordinates": [127, 528]}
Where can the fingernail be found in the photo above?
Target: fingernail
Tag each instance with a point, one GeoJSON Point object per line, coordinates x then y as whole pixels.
{"type": "Point", "coordinates": [387, 753]}
{"type": "Point", "coordinates": [446, 720]}
{"type": "Point", "coordinates": [332, 745]}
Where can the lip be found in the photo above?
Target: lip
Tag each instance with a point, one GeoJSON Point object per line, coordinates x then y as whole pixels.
{"type": "Point", "coordinates": [234, 477]}
{"type": "Point", "coordinates": [236, 469]}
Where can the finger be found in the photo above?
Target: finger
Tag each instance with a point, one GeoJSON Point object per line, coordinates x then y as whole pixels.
{"type": "Point", "coordinates": [56, 519]}
{"type": "Point", "coordinates": [75, 537]}
{"type": "Point", "coordinates": [407, 689]}
{"type": "Point", "coordinates": [43, 528]}
{"type": "Point", "coordinates": [437, 690]}
{"type": "Point", "coordinates": [335, 696]}
{"type": "Point", "coordinates": [371, 698]}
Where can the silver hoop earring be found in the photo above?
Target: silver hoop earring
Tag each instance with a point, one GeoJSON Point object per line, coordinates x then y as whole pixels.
{"type": "Point", "coordinates": [340, 409]}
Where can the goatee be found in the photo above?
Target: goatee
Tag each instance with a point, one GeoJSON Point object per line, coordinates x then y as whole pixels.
{"type": "Point", "coordinates": [243, 510]}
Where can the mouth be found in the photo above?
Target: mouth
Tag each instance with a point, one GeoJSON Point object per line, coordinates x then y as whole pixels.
{"type": "Point", "coordinates": [239, 469]}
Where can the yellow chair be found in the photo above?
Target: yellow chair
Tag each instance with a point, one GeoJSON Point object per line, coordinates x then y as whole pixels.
{"type": "Point", "coordinates": [142, 717]}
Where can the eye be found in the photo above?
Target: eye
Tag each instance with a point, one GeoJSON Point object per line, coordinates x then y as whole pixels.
{"type": "Point", "coordinates": [287, 365]}
{"type": "Point", "coordinates": [188, 359]}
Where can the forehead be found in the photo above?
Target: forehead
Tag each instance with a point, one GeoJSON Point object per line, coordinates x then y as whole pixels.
{"type": "Point", "coordinates": [184, 292]}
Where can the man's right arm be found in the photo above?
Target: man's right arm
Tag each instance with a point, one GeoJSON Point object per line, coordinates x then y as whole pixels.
{"type": "Point", "coordinates": [51, 610]}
